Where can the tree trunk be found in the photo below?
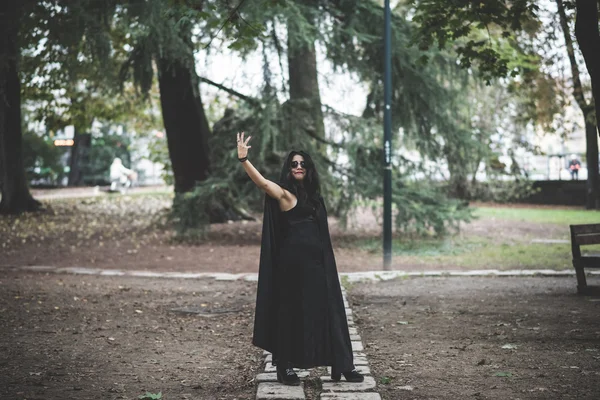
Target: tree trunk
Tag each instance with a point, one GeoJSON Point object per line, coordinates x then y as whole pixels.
{"type": "Point", "coordinates": [584, 33]}
{"type": "Point", "coordinates": [185, 123]}
{"type": "Point", "coordinates": [13, 183]}
{"type": "Point", "coordinates": [588, 37]}
{"type": "Point", "coordinates": [305, 98]}
{"type": "Point", "coordinates": [79, 156]}
{"type": "Point", "coordinates": [593, 183]}
{"type": "Point", "coordinates": [458, 183]}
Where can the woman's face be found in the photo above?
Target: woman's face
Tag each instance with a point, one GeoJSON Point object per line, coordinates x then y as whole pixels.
{"type": "Point", "coordinates": [298, 168]}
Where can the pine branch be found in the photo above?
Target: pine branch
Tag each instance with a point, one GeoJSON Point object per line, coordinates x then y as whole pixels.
{"type": "Point", "coordinates": [234, 12]}
{"type": "Point", "coordinates": [337, 112]}
{"type": "Point", "coordinates": [251, 100]}
{"type": "Point", "coordinates": [320, 139]}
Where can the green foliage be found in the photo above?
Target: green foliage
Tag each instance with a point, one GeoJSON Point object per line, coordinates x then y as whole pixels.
{"type": "Point", "coordinates": [66, 72]}
{"type": "Point", "coordinates": [501, 191]}
{"type": "Point", "coordinates": [159, 153]}
{"type": "Point", "coordinates": [143, 32]}
{"type": "Point", "coordinates": [69, 70]}
{"type": "Point", "coordinates": [41, 158]}
{"type": "Point", "coordinates": [419, 96]}
{"type": "Point", "coordinates": [420, 206]}
{"type": "Point", "coordinates": [193, 211]}
{"type": "Point", "coordinates": [170, 31]}
{"type": "Point", "coordinates": [459, 23]}
{"type": "Point", "coordinates": [150, 396]}
{"type": "Point", "coordinates": [189, 215]}
{"type": "Point", "coordinates": [424, 208]}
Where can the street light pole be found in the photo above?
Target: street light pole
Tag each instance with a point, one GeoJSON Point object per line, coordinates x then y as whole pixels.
{"type": "Point", "coordinates": [387, 142]}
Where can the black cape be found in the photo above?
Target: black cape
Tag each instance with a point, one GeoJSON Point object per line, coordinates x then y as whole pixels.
{"type": "Point", "coordinates": [267, 301]}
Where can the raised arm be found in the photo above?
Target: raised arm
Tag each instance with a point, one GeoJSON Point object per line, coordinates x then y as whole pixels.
{"type": "Point", "coordinates": [267, 186]}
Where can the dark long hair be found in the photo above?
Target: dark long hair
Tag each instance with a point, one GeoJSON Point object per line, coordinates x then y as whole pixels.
{"type": "Point", "coordinates": [310, 189]}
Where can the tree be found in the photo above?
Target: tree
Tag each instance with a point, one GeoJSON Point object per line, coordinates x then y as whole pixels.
{"type": "Point", "coordinates": [62, 82]}
{"type": "Point", "coordinates": [444, 21]}
{"type": "Point", "coordinates": [587, 108]}
{"type": "Point", "coordinates": [305, 99]}
{"type": "Point", "coordinates": [53, 26]}
{"type": "Point", "coordinates": [166, 45]}
{"type": "Point", "coordinates": [350, 33]}
{"type": "Point", "coordinates": [13, 184]}
{"type": "Point", "coordinates": [588, 37]}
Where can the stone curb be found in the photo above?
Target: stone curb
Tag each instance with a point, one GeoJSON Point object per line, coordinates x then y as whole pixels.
{"type": "Point", "coordinates": [374, 276]}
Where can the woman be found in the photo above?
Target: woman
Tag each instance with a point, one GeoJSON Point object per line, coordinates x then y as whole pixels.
{"type": "Point", "coordinates": [300, 316]}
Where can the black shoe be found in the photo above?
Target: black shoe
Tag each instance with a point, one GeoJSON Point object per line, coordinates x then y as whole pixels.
{"type": "Point", "coordinates": [287, 376]}
{"type": "Point", "coordinates": [351, 376]}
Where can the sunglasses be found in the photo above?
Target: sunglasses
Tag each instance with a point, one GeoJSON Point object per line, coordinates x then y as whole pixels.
{"type": "Point", "coordinates": [295, 164]}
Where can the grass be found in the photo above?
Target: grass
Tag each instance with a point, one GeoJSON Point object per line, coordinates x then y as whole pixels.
{"type": "Point", "coordinates": [541, 216]}
{"type": "Point", "coordinates": [475, 252]}
{"type": "Point", "coordinates": [479, 253]}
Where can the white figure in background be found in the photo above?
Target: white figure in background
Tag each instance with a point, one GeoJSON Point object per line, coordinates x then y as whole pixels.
{"type": "Point", "coordinates": [121, 177]}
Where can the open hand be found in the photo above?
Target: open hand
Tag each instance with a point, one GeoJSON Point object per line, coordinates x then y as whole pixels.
{"type": "Point", "coordinates": [242, 145]}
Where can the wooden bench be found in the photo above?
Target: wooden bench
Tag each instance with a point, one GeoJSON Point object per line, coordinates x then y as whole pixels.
{"type": "Point", "coordinates": [584, 235]}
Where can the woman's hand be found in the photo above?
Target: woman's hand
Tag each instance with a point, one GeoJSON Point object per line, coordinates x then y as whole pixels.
{"type": "Point", "coordinates": [242, 145]}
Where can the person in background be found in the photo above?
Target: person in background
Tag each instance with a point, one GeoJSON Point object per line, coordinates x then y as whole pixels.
{"type": "Point", "coordinates": [574, 166]}
{"type": "Point", "coordinates": [120, 176]}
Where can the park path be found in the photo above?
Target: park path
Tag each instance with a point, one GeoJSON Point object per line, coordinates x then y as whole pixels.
{"type": "Point", "coordinates": [374, 276]}
{"type": "Point", "coordinates": [91, 191]}
{"type": "Point", "coordinates": [270, 389]}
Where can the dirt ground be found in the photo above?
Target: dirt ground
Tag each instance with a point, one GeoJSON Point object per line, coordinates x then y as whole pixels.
{"type": "Point", "coordinates": [480, 338]}
{"type": "Point", "coordinates": [89, 337]}
{"type": "Point", "coordinates": [128, 232]}
{"type": "Point", "coordinates": [98, 337]}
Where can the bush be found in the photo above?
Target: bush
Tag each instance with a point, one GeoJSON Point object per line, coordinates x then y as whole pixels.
{"type": "Point", "coordinates": [211, 201]}
{"type": "Point", "coordinates": [41, 159]}
{"type": "Point", "coordinates": [159, 153]}
{"type": "Point", "coordinates": [502, 191]}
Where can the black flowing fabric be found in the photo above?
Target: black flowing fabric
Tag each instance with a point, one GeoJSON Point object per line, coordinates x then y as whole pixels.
{"type": "Point", "coordinates": [300, 315]}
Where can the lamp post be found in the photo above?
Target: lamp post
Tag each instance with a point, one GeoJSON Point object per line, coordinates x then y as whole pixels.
{"type": "Point", "coordinates": [387, 142]}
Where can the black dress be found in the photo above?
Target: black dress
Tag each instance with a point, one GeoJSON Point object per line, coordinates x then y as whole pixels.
{"type": "Point", "coordinates": [309, 332]}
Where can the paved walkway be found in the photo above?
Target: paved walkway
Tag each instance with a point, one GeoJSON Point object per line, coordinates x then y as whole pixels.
{"type": "Point", "coordinates": [91, 191]}
{"type": "Point", "coordinates": [270, 389]}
